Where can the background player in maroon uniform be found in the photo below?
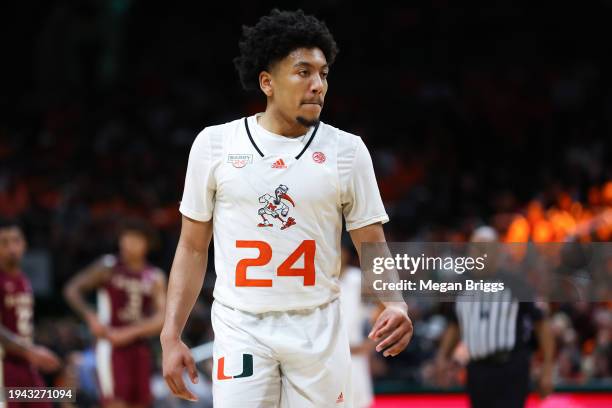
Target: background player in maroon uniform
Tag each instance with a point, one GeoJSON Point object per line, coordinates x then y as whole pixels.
{"type": "Point", "coordinates": [19, 357]}
{"type": "Point", "coordinates": [131, 300]}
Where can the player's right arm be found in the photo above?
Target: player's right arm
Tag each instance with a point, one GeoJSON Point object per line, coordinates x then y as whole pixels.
{"type": "Point", "coordinates": [11, 342]}
{"type": "Point", "coordinates": [88, 279]}
{"type": "Point", "coordinates": [186, 279]}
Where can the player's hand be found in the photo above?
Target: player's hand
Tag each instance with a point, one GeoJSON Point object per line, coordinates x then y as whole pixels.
{"type": "Point", "coordinates": [441, 368]}
{"type": "Point", "coordinates": [43, 358]}
{"type": "Point", "coordinates": [392, 330]}
{"type": "Point", "coordinates": [120, 336]}
{"type": "Point", "coordinates": [176, 357]}
{"type": "Point", "coordinates": [545, 383]}
{"type": "Point", "coordinates": [95, 326]}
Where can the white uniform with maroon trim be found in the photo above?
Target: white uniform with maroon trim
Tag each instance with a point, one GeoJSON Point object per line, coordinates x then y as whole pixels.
{"type": "Point", "coordinates": [277, 205]}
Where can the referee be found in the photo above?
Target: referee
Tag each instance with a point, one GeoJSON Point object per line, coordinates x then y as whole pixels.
{"type": "Point", "coordinates": [497, 330]}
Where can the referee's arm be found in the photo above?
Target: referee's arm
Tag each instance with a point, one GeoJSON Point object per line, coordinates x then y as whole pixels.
{"type": "Point", "coordinates": [450, 339]}
{"type": "Point", "coordinates": [546, 344]}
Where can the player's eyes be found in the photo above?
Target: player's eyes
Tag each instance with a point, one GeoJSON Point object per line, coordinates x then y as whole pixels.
{"type": "Point", "coordinates": [324, 74]}
{"type": "Point", "coordinates": [303, 73]}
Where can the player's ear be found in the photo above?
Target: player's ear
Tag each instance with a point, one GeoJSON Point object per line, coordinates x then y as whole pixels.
{"type": "Point", "coordinates": [265, 83]}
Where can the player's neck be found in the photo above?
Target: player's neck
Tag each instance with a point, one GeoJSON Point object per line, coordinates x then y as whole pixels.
{"type": "Point", "coordinates": [274, 122]}
{"type": "Point", "coordinates": [12, 270]}
{"type": "Point", "coordinates": [134, 264]}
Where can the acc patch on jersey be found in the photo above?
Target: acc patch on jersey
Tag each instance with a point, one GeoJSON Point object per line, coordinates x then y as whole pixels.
{"type": "Point", "coordinates": [275, 207]}
{"type": "Point", "coordinates": [318, 157]}
{"type": "Point", "coordinates": [239, 160]}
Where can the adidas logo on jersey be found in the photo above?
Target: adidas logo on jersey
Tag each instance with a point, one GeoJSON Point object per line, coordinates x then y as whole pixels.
{"type": "Point", "coordinates": [279, 164]}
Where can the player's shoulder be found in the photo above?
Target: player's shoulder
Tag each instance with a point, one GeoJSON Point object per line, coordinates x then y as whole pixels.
{"type": "Point", "coordinates": [222, 128]}
{"type": "Point", "coordinates": [109, 261]}
{"type": "Point", "coordinates": [340, 136]}
{"type": "Point", "coordinates": [346, 142]}
{"type": "Point", "coordinates": [348, 145]}
{"type": "Point", "coordinates": [105, 266]}
{"type": "Point", "coordinates": [213, 137]}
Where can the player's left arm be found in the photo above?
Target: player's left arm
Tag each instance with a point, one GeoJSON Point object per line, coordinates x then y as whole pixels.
{"type": "Point", "coordinates": [393, 329]}
{"type": "Point", "coordinates": [150, 326]}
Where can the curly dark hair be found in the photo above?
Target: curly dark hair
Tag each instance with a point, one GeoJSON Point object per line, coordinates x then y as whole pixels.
{"type": "Point", "coordinates": [274, 37]}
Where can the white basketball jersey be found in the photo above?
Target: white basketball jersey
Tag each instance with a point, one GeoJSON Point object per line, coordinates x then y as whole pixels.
{"type": "Point", "coordinates": [277, 205]}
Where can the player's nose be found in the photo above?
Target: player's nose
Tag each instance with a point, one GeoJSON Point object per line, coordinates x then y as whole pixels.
{"type": "Point", "coordinates": [316, 85]}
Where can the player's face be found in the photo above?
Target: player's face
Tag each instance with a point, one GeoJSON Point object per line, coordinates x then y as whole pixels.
{"type": "Point", "coordinates": [299, 83]}
{"type": "Point", "coordinates": [12, 247]}
{"type": "Point", "coordinates": [133, 245]}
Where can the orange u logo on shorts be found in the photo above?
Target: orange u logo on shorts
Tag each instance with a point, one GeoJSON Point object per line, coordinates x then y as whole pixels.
{"type": "Point", "coordinates": [247, 368]}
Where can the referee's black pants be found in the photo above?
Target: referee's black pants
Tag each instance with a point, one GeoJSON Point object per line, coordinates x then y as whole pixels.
{"type": "Point", "coordinates": [499, 384]}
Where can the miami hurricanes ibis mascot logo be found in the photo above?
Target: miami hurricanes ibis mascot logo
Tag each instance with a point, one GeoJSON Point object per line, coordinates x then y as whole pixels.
{"type": "Point", "coordinates": [275, 206]}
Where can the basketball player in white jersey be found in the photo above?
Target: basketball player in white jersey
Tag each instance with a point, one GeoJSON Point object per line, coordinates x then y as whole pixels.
{"type": "Point", "coordinates": [272, 189]}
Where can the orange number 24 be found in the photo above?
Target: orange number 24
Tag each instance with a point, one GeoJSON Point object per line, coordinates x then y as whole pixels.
{"type": "Point", "coordinates": [306, 248]}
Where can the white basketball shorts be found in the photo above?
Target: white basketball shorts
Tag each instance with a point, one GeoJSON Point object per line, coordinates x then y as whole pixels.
{"type": "Point", "coordinates": [294, 359]}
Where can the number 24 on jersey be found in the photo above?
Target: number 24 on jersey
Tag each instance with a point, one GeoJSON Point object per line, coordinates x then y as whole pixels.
{"type": "Point", "coordinates": [307, 248]}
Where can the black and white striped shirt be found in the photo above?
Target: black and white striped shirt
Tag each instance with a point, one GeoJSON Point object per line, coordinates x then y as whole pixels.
{"type": "Point", "coordinates": [495, 322]}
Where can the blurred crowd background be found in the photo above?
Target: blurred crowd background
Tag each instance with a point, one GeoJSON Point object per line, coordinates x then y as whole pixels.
{"type": "Point", "coordinates": [497, 113]}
